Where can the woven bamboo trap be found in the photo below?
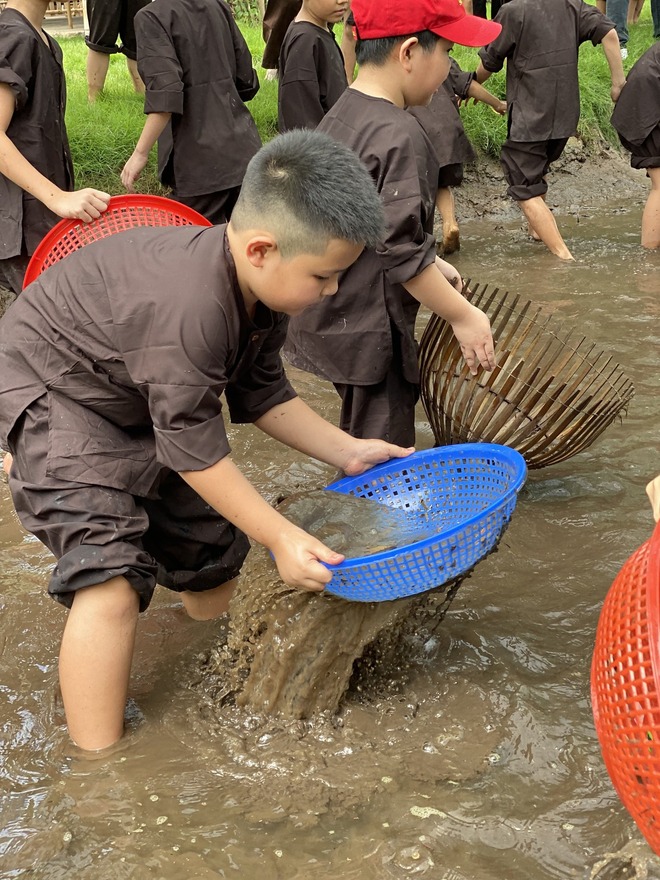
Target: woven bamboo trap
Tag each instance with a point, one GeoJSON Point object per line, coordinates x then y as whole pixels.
{"type": "Point", "coordinates": [550, 396]}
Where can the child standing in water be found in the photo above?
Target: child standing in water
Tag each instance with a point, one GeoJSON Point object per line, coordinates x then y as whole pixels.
{"type": "Point", "coordinates": [110, 384]}
{"type": "Point", "coordinates": [540, 43]}
{"type": "Point", "coordinates": [364, 340]}
{"type": "Point", "coordinates": [636, 119]}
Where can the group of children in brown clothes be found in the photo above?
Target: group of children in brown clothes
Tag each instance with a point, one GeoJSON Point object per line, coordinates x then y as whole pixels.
{"type": "Point", "coordinates": [113, 361]}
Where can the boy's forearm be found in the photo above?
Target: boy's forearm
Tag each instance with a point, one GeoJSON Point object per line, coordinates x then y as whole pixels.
{"type": "Point", "coordinates": [481, 74]}
{"type": "Point", "coordinates": [295, 424]}
{"type": "Point", "coordinates": [154, 126]}
{"type": "Point", "coordinates": [612, 51]}
{"type": "Point", "coordinates": [479, 93]}
{"type": "Point", "coordinates": [434, 291]}
{"type": "Point", "coordinates": [228, 492]}
{"type": "Point", "coordinates": [16, 167]}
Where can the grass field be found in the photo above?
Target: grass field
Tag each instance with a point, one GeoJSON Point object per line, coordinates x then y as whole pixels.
{"type": "Point", "coordinates": [103, 135]}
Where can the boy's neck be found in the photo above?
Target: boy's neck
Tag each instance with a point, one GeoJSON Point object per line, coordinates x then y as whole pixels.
{"type": "Point", "coordinates": [306, 15]}
{"type": "Point", "coordinates": [380, 82]}
{"type": "Point", "coordinates": [33, 10]}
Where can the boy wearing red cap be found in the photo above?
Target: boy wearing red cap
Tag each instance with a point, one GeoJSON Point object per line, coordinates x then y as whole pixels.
{"type": "Point", "coordinates": [364, 340]}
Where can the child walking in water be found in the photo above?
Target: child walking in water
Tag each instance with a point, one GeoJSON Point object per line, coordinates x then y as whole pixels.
{"type": "Point", "coordinates": [110, 385]}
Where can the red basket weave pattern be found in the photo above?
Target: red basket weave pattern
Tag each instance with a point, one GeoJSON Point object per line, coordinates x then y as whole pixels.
{"type": "Point", "coordinates": [124, 212]}
{"type": "Point", "coordinates": [625, 686]}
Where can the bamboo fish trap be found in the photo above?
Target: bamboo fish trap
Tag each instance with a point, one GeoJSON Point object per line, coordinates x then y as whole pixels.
{"type": "Point", "coordinates": [550, 396]}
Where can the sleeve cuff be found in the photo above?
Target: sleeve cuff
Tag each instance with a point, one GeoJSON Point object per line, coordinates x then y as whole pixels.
{"type": "Point", "coordinates": [192, 448]}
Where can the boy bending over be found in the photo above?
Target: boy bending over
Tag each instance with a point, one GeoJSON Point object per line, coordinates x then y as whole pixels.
{"type": "Point", "coordinates": [364, 340]}
{"type": "Point", "coordinates": [110, 384]}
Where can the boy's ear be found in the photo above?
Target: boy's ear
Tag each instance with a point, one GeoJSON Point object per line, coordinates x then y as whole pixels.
{"type": "Point", "coordinates": [260, 248]}
{"type": "Point", "coordinates": [406, 51]}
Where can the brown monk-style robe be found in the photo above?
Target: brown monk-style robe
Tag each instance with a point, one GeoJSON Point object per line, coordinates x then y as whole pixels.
{"type": "Point", "coordinates": [33, 70]}
{"type": "Point", "coordinates": [347, 338]}
{"type": "Point", "coordinates": [442, 122]}
{"type": "Point", "coordinates": [133, 369]}
{"type": "Point", "coordinates": [539, 42]}
{"type": "Point", "coordinates": [637, 112]}
{"type": "Point", "coordinates": [312, 76]}
{"type": "Point", "coordinates": [196, 65]}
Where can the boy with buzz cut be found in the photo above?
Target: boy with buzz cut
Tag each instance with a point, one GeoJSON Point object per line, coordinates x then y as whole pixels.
{"type": "Point", "coordinates": [198, 74]}
{"type": "Point", "coordinates": [312, 73]}
{"type": "Point", "coordinates": [364, 340]}
{"type": "Point", "coordinates": [36, 171]}
{"type": "Point", "coordinates": [110, 384]}
{"type": "Point", "coordinates": [540, 44]}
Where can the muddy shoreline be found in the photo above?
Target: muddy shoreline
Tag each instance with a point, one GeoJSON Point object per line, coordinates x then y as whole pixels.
{"type": "Point", "coordinates": [584, 178]}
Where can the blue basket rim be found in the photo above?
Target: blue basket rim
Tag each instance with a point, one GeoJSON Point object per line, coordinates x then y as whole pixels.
{"type": "Point", "coordinates": [494, 450]}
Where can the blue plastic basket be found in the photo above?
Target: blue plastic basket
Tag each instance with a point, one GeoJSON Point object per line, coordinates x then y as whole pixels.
{"type": "Point", "coordinates": [468, 491]}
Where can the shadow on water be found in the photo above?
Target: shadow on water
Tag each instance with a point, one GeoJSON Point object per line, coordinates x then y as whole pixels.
{"type": "Point", "coordinates": [471, 755]}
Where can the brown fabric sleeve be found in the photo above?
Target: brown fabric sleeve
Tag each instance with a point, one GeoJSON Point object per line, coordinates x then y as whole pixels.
{"type": "Point", "coordinates": [158, 65]}
{"type": "Point", "coordinates": [15, 65]}
{"type": "Point", "coordinates": [494, 54]}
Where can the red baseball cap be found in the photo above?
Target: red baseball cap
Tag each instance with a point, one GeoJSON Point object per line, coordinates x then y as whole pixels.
{"type": "Point", "coordinates": [446, 18]}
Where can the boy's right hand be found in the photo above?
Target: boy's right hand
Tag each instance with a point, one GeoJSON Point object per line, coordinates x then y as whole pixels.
{"type": "Point", "coordinates": [476, 340]}
{"type": "Point", "coordinates": [298, 557]}
{"type": "Point", "coordinates": [133, 169]}
{"type": "Point", "coordinates": [82, 204]}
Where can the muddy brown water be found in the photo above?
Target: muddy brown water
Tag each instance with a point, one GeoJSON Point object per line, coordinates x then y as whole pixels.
{"type": "Point", "coordinates": [469, 755]}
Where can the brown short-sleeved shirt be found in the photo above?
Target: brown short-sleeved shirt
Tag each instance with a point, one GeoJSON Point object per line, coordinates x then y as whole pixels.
{"type": "Point", "coordinates": [196, 65]}
{"type": "Point", "coordinates": [348, 337]}
{"type": "Point", "coordinates": [33, 70]}
{"type": "Point", "coordinates": [540, 42]}
{"type": "Point", "coordinates": [442, 122]}
{"type": "Point", "coordinates": [312, 76]}
{"type": "Point", "coordinates": [133, 339]}
{"type": "Point", "coordinates": [637, 112]}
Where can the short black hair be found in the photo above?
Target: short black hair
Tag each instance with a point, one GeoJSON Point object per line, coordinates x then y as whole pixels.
{"type": "Point", "coordinates": [378, 51]}
{"type": "Point", "coordinates": [307, 188]}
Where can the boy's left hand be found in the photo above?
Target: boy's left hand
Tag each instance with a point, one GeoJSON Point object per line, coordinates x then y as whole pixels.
{"type": "Point", "coordinates": [364, 454]}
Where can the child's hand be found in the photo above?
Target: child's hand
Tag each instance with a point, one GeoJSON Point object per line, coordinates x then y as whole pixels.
{"type": "Point", "coordinates": [83, 204]}
{"type": "Point", "coordinates": [133, 169]}
{"type": "Point", "coordinates": [297, 556]}
{"type": "Point", "coordinates": [364, 454]}
{"type": "Point", "coordinates": [476, 340]}
{"type": "Point", "coordinates": [500, 107]}
{"type": "Point", "coordinates": [653, 491]}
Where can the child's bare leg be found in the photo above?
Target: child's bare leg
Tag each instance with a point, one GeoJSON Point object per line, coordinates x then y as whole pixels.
{"type": "Point", "coordinates": [97, 70]}
{"type": "Point", "coordinates": [209, 604]}
{"type": "Point", "coordinates": [541, 220]}
{"type": "Point", "coordinates": [651, 215]}
{"type": "Point", "coordinates": [446, 207]}
{"type": "Point", "coordinates": [138, 85]}
{"type": "Point", "coordinates": [95, 662]}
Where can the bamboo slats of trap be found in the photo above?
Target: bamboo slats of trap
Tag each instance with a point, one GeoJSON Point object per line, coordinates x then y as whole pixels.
{"type": "Point", "coordinates": [550, 396]}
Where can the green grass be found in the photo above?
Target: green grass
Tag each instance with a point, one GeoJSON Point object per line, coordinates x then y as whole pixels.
{"type": "Point", "coordinates": [104, 134]}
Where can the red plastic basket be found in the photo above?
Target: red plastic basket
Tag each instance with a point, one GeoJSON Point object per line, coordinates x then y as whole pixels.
{"type": "Point", "coordinates": [124, 212]}
{"type": "Point", "coordinates": [625, 686]}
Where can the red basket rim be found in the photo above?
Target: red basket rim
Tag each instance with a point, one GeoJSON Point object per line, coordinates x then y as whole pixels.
{"type": "Point", "coordinates": [128, 200]}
